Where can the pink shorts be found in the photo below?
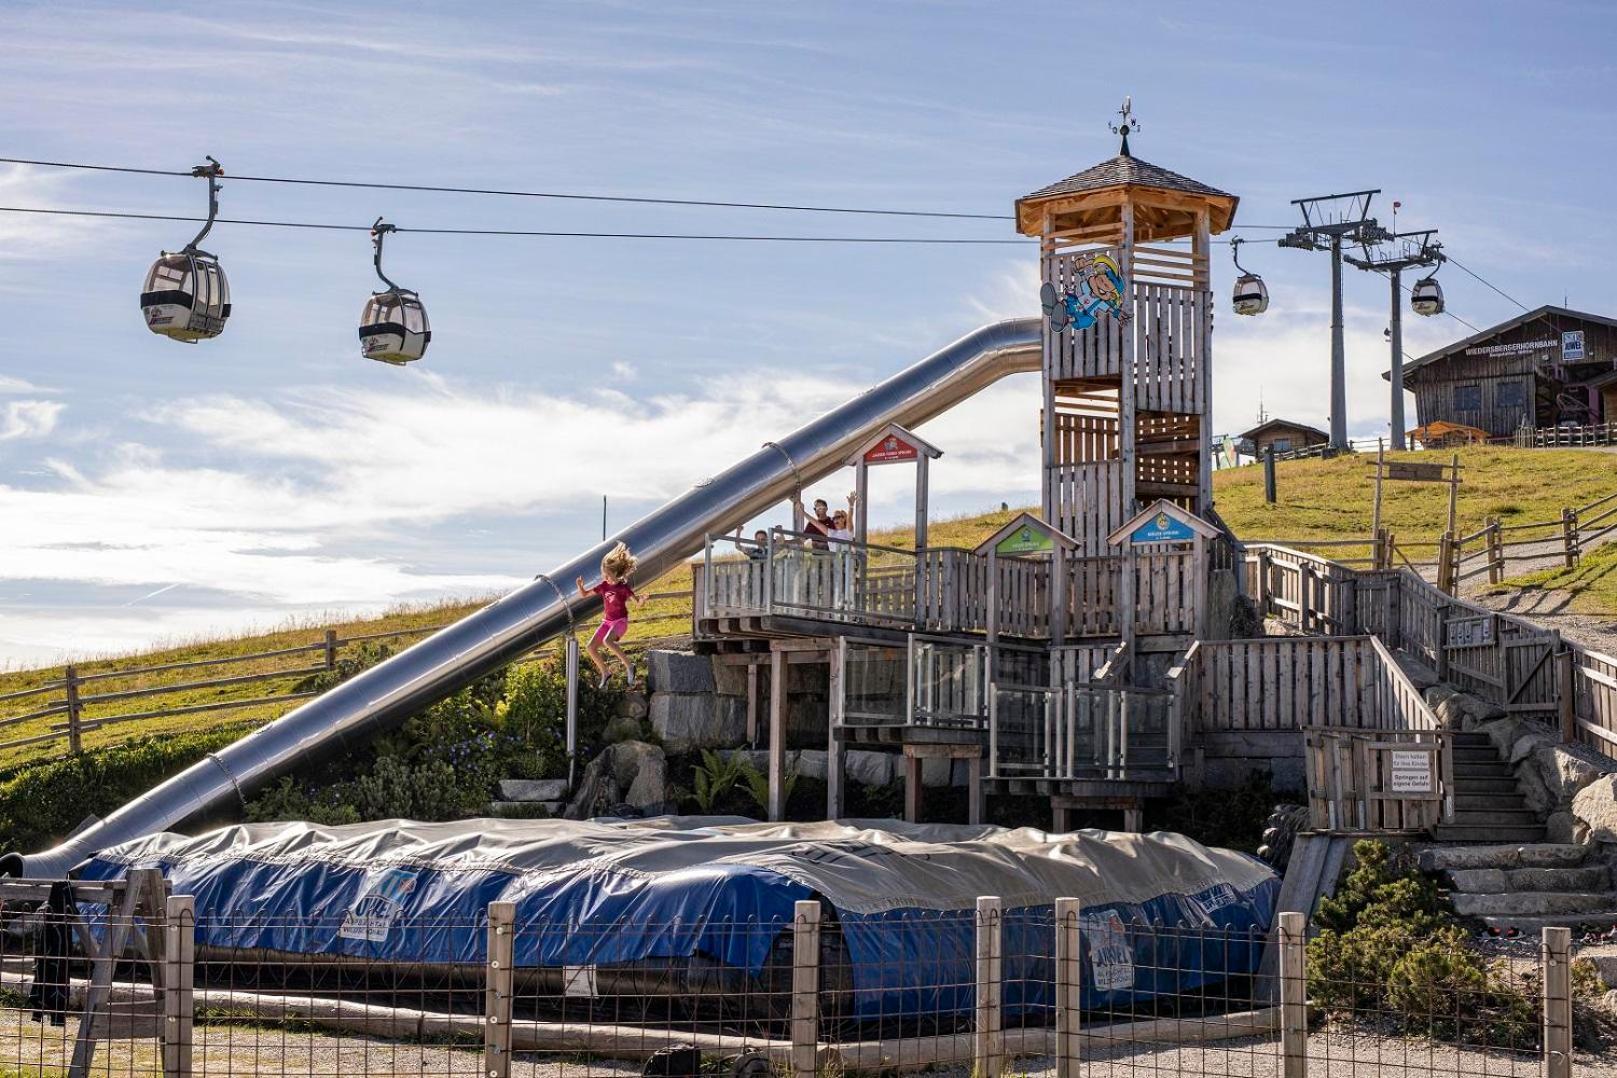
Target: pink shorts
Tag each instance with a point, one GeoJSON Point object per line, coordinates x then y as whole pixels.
{"type": "Point", "coordinates": [611, 630]}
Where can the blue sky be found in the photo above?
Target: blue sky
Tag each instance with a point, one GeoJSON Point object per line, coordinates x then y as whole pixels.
{"type": "Point", "coordinates": [151, 491]}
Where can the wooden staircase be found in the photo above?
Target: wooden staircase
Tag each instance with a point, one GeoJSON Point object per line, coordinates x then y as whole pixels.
{"type": "Point", "coordinates": [1488, 805]}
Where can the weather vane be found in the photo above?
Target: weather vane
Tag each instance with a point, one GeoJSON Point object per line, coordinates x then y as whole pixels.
{"type": "Point", "coordinates": [1129, 124]}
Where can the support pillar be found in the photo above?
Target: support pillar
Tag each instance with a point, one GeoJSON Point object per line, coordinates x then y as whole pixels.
{"type": "Point", "coordinates": [976, 798]}
{"type": "Point", "coordinates": [912, 788]}
{"type": "Point", "coordinates": [834, 776]}
{"type": "Point", "coordinates": [777, 735]}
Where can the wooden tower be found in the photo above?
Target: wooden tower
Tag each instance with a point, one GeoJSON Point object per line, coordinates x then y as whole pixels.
{"type": "Point", "coordinates": [1128, 381]}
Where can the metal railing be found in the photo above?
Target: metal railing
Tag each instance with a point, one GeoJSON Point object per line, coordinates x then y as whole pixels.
{"type": "Point", "coordinates": [799, 575]}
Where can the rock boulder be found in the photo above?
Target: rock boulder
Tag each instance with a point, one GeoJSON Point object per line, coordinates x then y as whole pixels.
{"type": "Point", "coordinates": [678, 672]}
{"type": "Point", "coordinates": [686, 723]}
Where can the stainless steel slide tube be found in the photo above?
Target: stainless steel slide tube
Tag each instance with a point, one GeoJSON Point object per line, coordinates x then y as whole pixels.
{"type": "Point", "coordinates": [385, 695]}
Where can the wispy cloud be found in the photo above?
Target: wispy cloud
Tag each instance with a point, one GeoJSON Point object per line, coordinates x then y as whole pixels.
{"type": "Point", "coordinates": [28, 419]}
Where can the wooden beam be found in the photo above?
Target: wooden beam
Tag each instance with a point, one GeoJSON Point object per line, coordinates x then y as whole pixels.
{"type": "Point", "coordinates": [777, 735]}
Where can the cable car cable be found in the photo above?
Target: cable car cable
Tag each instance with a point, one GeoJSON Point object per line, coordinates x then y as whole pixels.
{"type": "Point", "coordinates": [1490, 284]}
{"type": "Point", "coordinates": [574, 196]}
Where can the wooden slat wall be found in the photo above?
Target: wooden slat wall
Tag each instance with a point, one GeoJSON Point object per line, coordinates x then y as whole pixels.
{"type": "Point", "coordinates": [1092, 589]}
{"type": "Point", "coordinates": [1168, 360]}
{"type": "Point", "coordinates": [1165, 593]}
{"type": "Point", "coordinates": [1089, 353]}
{"type": "Point", "coordinates": [1286, 683]}
{"type": "Point", "coordinates": [1595, 693]}
{"type": "Point", "coordinates": [1086, 502]}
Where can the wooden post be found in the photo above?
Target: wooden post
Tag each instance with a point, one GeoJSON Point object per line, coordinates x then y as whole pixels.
{"type": "Point", "coordinates": [1566, 690]}
{"type": "Point", "coordinates": [861, 490]}
{"type": "Point", "coordinates": [912, 788]}
{"type": "Point", "coordinates": [1293, 995]}
{"type": "Point", "coordinates": [1569, 536]}
{"type": "Point", "coordinates": [500, 986]}
{"type": "Point", "coordinates": [988, 1037]}
{"type": "Point", "coordinates": [922, 496]}
{"type": "Point", "coordinates": [1496, 551]}
{"type": "Point", "coordinates": [834, 777]}
{"type": "Point", "coordinates": [1441, 645]}
{"type": "Point", "coordinates": [777, 735]}
{"type": "Point", "coordinates": [1069, 976]}
{"type": "Point", "coordinates": [975, 800]}
{"type": "Point", "coordinates": [331, 649]}
{"type": "Point", "coordinates": [1381, 464]}
{"type": "Point", "coordinates": [752, 705]}
{"type": "Point", "coordinates": [1454, 495]}
{"type": "Point", "coordinates": [805, 989]}
{"type": "Point", "coordinates": [1557, 959]}
{"type": "Point", "coordinates": [179, 984]}
{"type": "Point", "coordinates": [70, 690]}
{"type": "Point", "coordinates": [1269, 473]}
{"type": "Point", "coordinates": [1445, 563]}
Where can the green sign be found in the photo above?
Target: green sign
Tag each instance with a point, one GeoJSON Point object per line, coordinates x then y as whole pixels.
{"type": "Point", "coordinates": [1025, 540]}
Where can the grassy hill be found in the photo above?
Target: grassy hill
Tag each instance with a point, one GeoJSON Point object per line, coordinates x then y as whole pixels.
{"type": "Point", "coordinates": [1317, 500]}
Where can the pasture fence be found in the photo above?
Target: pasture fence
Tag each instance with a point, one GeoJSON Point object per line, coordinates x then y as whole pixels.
{"type": "Point", "coordinates": [121, 977]}
{"type": "Point", "coordinates": [62, 710]}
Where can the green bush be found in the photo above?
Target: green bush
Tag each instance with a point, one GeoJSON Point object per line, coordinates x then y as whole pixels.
{"type": "Point", "coordinates": [43, 804]}
{"type": "Point", "coordinates": [1388, 946]}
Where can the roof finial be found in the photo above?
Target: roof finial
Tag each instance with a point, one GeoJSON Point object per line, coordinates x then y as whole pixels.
{"type": "Point", "coordinates": [1129, 124]}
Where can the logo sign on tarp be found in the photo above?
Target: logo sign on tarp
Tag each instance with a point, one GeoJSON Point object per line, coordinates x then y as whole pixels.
{"type": "Point", "coordinates": [1025, 540]}
{"type": "Point", "coordinates": [1572, 346]}
{"type": "Point", "coordinates": [1471, 632]}
{"type": "Point", "coordinates": [1409, 771]}
{"type": "Point", "coordinates": [1111, 958]}
{"type": "Point", "coordinates": [378, 906]}
{"type": "Point", "coordinates": [1414, 470]}
{"type": "Point", "coordinates": [1162, 528]}
{"type": "Point", "coordinates": [891, 450]}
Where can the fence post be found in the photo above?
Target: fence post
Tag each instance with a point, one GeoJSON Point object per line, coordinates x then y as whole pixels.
{"type": "Point", "coordinates": [1269, 474]}
{"type": "Point", "coordinates": [70, 689]}
{"type": "Point", "coordinates": [1069, 974]}
{"type": "Point", "coordinates": [1445, 563]}
{"type": "Point", "coordinates": [805, 989]}
{"type": "Point", "coordinates": [331, 649]}
{"type": "Point", "coordinates": [1441, 644]}
{"type": "Point", "coordinates": [1493, 543]}
{"type": "Point", "coordinates": [1566, 690]}
{"type": "Point", "coordinates": [1293, 996]}
{"type": "Point", "coordinates": [987, 1040]}
{"type": "Point", "coordinates": [179, 982]}
{"type": "Point", "coordinates": [1569, 536]}
{"type": "Point", "coordinates": [1557, 958]}
{"type": "Point", "coordinates": [497, 996]}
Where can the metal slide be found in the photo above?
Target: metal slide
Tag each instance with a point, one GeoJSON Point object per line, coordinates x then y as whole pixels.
{"type": "Point", "coordinates": [385, 695]}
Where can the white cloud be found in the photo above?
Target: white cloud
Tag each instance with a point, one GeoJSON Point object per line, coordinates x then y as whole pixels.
{"type": "Point", "coordinates": [25, 236]}
{"type": "Point", "coordinates": [624, 371]}
{"type": "Point", "coordinates": [28, 419]}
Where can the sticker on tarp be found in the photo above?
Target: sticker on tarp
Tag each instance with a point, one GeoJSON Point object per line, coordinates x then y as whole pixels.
{"type": "Point", "coordinates": [1111, 958]}
{"type": "Point", "coordinates": [380, 901]}
{"type": "Point", "coordinates": [1211, 899]}
{"type": "Point", "coordinates": [578, 981]}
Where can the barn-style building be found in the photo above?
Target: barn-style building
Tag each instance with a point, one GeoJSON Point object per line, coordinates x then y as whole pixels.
{"type": "Point", "coordinates": [1285, 435]}
{"type": "Point", "coordinates": [1542, 368]}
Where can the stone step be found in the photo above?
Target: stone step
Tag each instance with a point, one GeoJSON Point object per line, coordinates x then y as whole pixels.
{"type": "Point", "coordinates": [1490, 817]}
{"type": "Point", "coordinates": [1488, 834]}
{"type": "Point", "coordinates": [1464, 754]}
{"type": "Point", "coordinates": [1532, 926]}
{"type": "Point", "coordinates": [1507, 880]}
{"type": "Point", "coordinates": [1511, 855]}
{"type": "Point", "coordinates": [1469, 738]}
{"type": "Point", "coordinates": [1468, 800]}
{"type": "Point", "coordinates": [1532, 903]}
{"type": "Point", "coordinates": [1479, 785]}
{"type": "Point", "coordinates": [1483, 767]}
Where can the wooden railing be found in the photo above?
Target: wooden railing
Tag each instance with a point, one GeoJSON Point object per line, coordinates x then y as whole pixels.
{"type": "Point", "coordinates": [1567, 437]}
{"type": "Point", "coordinates": [61, 711]}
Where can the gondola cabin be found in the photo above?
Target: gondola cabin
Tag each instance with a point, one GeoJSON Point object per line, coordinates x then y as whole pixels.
{"type": "Point", "coordinates": [393, 327]}
{"type": "Point", "coordinates": [186, 296]}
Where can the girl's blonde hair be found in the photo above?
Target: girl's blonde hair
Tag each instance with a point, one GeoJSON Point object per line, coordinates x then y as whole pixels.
{"type": "Point", "coordinates": [618, 563]}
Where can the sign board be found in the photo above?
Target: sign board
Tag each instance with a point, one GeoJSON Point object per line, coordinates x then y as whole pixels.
{"type": "Point", "coordinates": [1409, 771]}
{"type": "Point", "coordinates": [1162, 528]}
{"type": "Point", "coordinates": [1572, 346]}
{"type": "Point", "coordinates": [1025, 540]}
{"type": "Point", "coordinates": [1414, 470]}
{"type": "Point", "coordinates": [1514, 348]}
{"type": "Point", "coordinates": [891, 450]}
{"type": "Point", "coordinates": [1471, 632]}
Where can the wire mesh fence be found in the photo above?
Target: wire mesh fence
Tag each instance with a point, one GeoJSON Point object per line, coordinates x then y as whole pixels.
{"type": "Point", "coordinates": [115, 979]}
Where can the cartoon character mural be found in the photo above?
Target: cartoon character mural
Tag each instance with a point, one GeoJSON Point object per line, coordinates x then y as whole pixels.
{"type": "Point", "coordinates": [1098, 289]}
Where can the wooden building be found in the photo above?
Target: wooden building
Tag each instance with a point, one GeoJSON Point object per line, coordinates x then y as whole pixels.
{"type": "Point", "coordinates": [1285, 435]}
{"type": "Point", "coordinates": [1544, 367]}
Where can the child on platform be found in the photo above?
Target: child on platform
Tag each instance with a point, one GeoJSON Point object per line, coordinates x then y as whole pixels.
{"type": "Point", "coordinates": [615, 593]}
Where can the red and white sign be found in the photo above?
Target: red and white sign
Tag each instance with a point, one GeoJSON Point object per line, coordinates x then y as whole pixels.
{"type": "Point", "coordinates": [891, 450]}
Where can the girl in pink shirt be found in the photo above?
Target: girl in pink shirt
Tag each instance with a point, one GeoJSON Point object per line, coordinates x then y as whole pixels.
{"type": "Point", "coordinates": [616, 595]}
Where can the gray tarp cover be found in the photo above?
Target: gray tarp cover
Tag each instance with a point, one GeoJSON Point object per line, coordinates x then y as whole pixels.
{"type": "Point", "coordinates": [861, 866]}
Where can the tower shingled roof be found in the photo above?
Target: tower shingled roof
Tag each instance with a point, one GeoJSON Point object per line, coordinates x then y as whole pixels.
{"type": "Point", "coordinates": [1125, 169]}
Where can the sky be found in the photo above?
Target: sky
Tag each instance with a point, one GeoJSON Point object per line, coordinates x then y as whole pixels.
{"type": "Point", "coordinates": [152, 492]}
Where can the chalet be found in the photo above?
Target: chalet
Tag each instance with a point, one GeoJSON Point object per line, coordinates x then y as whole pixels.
{"type": "Point", "coordinates": [1547, 366]}
{"type": "Point", "coordinates": [1283, 434]}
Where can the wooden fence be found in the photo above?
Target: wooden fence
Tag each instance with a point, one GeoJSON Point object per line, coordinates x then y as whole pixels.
{"type": "Point", "coordinates": [63, 710]}
{"type": "Point", "coordinates": [1566, 437]}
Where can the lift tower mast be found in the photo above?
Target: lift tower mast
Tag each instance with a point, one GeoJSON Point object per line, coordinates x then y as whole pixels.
{"type": "Point", "coordinates": [1416, 249]}
{"type": "Point", "coordinates": [1329, 221]}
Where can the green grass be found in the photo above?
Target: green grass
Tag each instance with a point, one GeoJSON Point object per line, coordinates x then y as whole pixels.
{"type": "Point", "coordinates": [1318, 499]}
{"type": "Point", "coordinates": [1590, 586]}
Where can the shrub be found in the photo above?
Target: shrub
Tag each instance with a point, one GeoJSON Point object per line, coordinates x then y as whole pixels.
{"type": "Point", "coordinates": [1388, 946]}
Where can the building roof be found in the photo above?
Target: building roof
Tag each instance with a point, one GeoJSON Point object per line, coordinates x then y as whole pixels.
{"type": "Point", "coordinates": [1494, 331]}
{"type": "Point", "coordinates": [1125, 169]}
{"type": "Point", "coordinates": [1272, 424]}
